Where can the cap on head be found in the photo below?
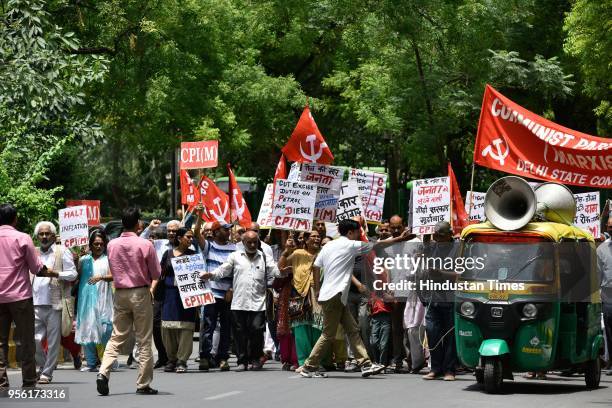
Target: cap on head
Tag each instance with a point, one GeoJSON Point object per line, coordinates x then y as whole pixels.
{"type": "Point", "coordinates": [216, 225]}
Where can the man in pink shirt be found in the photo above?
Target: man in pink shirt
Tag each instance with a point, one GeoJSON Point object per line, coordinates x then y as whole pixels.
{"type": "Point", "coordinates": [18, 258]}
{"type": "Point", "coordinates": [135, 269]}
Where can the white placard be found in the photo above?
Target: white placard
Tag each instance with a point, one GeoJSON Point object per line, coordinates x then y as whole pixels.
{"type": "Point", "coordinates": [294, 172]}
{"type": "Point", "coordinates": [430, 204]}
{"type": "Point", "coordinates": [193, 291]}
{"type": "Point", "coordinates": [293, 207]}
{"type": "Point", "coordinates": [372, 188]}
{"type": "Point", "coordinates": [73, 226]}
{"type": "Point", "coordinates": [325, 207]}
{"type": "Point", "coordinates": [264, 218]}
{"type": "Point", "coordinates": [477, 213]}
{"type": "Point", "coordinates": [587, 212]}
{"type": "Point", "coordinates": [349, 204]}
{"type": "Point", "coordinates": [327, 178]}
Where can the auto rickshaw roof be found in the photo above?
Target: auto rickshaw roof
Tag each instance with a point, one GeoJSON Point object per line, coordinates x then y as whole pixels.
{"type": "Point", "coordinates": [551, 230]}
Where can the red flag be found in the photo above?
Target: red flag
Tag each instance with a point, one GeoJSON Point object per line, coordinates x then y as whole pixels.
{"type": "Point", "coordinates": [459, 218]}
{"type": "Point", "coordinates": [215, 201]}
{"type": "Point", "coordinates": [306, 144]}
{"type": "Point", "coordinates": [190, 195]}
{"type": "Point", "coordinates": [281, 169]}
{"type": "Point", "coordinates": [238, 208]}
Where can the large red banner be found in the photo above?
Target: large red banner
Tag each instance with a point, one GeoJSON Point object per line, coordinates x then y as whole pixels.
{"type": "Point", "coordinates": [215, 201]}
{"type": "Point", "coordinates": [199, 155]}
{"type": "Point", "coordinates": [93, 210]}
{"type": "Point", "coordinates": [514, 140]}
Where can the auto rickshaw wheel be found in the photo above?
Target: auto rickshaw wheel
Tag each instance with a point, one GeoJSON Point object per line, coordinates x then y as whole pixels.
{"type": "Point", "coordinates": [493, 375]}
{"type": "Point", "coordinates": [479, 372]}
{"type": "Point", "coordinates": [592, 373]}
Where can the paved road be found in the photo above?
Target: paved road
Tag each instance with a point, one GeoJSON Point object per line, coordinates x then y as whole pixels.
{"type": "Point", "coordinates": [275, 388]}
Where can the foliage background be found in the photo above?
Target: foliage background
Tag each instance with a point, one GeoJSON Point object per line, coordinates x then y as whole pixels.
{"type": "Point", "coordinates": [393, 83]}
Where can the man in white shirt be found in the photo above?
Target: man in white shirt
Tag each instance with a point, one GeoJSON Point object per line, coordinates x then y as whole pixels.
{"type": "Point", "coordinates": [252, 271]}
{"type": "Point", "coordinates": [337, 260]}
{"type": "Point", "coordinates": [49, 294]}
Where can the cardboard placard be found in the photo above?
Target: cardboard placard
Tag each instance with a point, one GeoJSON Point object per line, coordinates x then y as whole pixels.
{"type": "Point", "coordinates": [587, 212]}
{"type": "Point", "coordinates": [430, 204]}
{"type": "Point", "coordinates": [74, 230]}
{"type": "Point", "coordinates": [293, 206]}
{"type": "Point", "coordinates": [193, 291]}
{"type": "Point", "coordinates": [199, 155]}
{"type": "Point", "coordinates": [372, 187]}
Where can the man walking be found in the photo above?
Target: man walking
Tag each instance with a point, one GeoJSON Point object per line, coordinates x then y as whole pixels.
{"type": "Point", "coordinates": [18, 258]}
{"type": "Point", "coordinates": [337, 259]}
{"type": "Point", "coordinates": [604, 263]}
{"type": "Point", "coordinates": [50, 294]}
{"type": "Point", "coordinates": [133, 264]}
{"type": "Point", "coordinates": [252, 271]}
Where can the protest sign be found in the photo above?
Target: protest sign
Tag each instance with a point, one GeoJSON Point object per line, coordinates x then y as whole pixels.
{"type": "Point", "coordinates": [293, 206]}
{"type": "Point", "coordinates": [327, 178]}
{"type": "Point", "coordinates": [93, 210]}
{"type": "Point", "coordinates": [193, 291]}
{"type": "Point", "coordinates": [325, 207]}
{"type": "Point", "coordinates": [430, 204]}
{"type": "Point", "coordinates": [349, 203]}
{"type": "Point", "coordinates": [587, 212]}
{"type": "Point", "coordinates": [514, 140]}
{"type": "Point", "coordinates": [477, 212]}
{"type": "Point", "coordinates": [264, 219]}
{"type": "Point", "coordinates": [372, 188]}
{"type": "Point", "coordinates": [199, 155]}
{"type": "Point", "coordinates": [73, 226]}
{"type": "Point", "coordinates": [294, 172]}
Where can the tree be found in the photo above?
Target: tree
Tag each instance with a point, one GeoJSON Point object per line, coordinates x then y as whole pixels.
{"type": "Point", "coordinates": [41, 86]}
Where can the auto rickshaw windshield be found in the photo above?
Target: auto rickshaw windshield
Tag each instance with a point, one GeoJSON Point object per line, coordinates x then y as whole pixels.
{"type": "Point", "coordinates": [510, 262]}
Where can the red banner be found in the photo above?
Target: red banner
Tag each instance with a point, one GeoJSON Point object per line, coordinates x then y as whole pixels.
{"type": "Point", "coordinates": [514, 140]}
{"type": "Point", "coordinates": [93, 210]}
{"type": "Point", "coordinates": [306, 144]}
{"type": "Point", "coordinates": [199, 155]}
{"type": "Point", "coordinates": [239, 209]}
{"type": "Point", "coordinates": [215, 201]}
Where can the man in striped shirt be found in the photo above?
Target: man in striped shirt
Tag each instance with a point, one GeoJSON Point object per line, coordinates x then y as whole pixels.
{"type": "Point", "coordinates": [215, 253]}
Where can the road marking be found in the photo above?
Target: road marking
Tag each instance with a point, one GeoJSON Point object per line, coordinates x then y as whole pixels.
{"type": "Point", "coordinates": [225, 394]}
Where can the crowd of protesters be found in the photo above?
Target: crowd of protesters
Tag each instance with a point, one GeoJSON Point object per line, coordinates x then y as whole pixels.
{"type": "Point", "coordinates": [304, 299]}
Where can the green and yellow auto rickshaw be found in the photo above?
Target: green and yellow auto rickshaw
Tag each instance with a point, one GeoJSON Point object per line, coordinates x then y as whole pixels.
{"type": "Point", "coordinates": [530, 303]}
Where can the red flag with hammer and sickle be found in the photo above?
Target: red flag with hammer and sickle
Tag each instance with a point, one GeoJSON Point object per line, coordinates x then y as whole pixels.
{"type": "Point", "coordinates": [239, 210]}
{"type": "Point", "coordinates": [215, 202]}
{"type": "Point", "coordinates": [306, 144]}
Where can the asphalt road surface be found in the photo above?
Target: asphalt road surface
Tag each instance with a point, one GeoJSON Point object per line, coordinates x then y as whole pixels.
{"type": "Point", "coordinates": [275, 388]}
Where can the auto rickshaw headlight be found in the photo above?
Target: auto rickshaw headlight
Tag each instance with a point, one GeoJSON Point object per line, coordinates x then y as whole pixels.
{"type": "Point", "coordinates": [530, 310]}
{"type": "Point", "coordinates": [468, 308]}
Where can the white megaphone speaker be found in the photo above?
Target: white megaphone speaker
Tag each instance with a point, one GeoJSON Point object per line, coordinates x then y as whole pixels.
{"type": "Point", "coordinates": [510, 203]}
{"type": "Point", "coordinates": [556, 203]}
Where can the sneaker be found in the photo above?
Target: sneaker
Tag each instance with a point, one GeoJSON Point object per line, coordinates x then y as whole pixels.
{"type": "Point", "coordinates": [371, 369]}
{"type": "Point", "coordinates": [44, 379]}
{"type": "Point", "coordinates": [311, 374]}
{"type": "Point", "coordinates": [351, 367]}
{"type": "Point", "coordinates": [430, 376]}
{"type": "Point", "coordinates": [224, 366]}
{"type": "Point", "coordinates": [204, 364]}
{"type": "Point", "coordinates": [87, 369]}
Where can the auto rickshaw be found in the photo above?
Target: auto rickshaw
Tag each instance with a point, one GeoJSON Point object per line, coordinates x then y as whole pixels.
{"type": "Point", "coordinates": [533, 305]}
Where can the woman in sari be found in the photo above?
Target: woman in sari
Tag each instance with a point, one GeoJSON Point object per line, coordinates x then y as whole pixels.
{"type": "Point", "coordinates": [94, 323]}
{"type": "Point", "coordinates": [306, 326]}
{"type": "Point", "coordinates": [177, 323]}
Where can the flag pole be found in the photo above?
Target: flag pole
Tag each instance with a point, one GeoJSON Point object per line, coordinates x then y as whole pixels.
{"type": "Point", "coordinates": [471, 192]}
{"type": "Point", "coordinates": [229, 190]}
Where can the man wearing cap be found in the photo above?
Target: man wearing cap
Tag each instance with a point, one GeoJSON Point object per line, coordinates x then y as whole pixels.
{"type": "Point", "coordinates": [215, 253]}
{"type": "Point", "coordinates": [439, 316]}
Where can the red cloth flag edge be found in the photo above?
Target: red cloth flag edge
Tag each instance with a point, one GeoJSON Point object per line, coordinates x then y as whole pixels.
{"type": "Point", "coordinates": [238, 208]}
{"type": "Point", "coordinates": [459, 218]}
